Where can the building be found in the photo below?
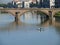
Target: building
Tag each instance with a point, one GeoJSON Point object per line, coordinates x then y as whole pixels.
{"type": "Point", "coordinates": [19, 4]}
{"type": "Point", "coordinates": [11, 5]}
{"type": "Point", "coordinates": [23, 4]}
{"type": "Point", "coordinates": [46, 4]}
{"type": "Point", "coordinates": [40, 5]}
{"type": "Point", "coordinates": [57, 3]}
{"type": "Point", "coordinates": [34, 4]}
{"type": "Point", "coordinates": [15, 0]}
{"type": "Point", "coordinates": [26, 5]}
{"type": "Point", "coordinates": [34, 1]}
{"type": "Point", "coordinates": [38, 0]}
{"type": "Point", "coordinates": [52, 3]}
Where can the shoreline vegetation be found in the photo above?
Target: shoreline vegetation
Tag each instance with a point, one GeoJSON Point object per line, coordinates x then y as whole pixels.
{"type": "Point", "coordinates": [57, 15]}
{"type": "Point", "coordinates": [3, 5]}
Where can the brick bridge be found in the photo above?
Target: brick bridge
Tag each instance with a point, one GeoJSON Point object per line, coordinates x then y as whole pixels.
{"type": "Point", "coordinates": [17, 12]}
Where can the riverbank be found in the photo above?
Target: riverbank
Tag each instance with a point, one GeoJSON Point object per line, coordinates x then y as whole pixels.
{"type": "Point", "coordinates": [57, 14]}
{"type": "Point", "coordinates": [3, 5]}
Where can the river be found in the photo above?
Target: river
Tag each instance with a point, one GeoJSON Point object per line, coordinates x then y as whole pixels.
{"type": "Point", "coordinates": [29, 30]}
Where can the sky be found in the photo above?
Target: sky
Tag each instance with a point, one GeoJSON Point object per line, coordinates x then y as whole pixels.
{"type": "Point", "coordinates": [5, 1]}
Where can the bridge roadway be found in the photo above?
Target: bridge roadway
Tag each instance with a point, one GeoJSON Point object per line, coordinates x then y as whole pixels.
{"type": "Point", "coordinates": [17, 12]}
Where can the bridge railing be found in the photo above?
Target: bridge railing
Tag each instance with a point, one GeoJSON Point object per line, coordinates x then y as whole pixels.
{"type": "Point", "coordinates": [29, 8]}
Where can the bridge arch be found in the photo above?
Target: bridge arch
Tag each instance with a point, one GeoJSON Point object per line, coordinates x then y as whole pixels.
{"type": "Point", "coordinates": [42, 13]}
{"type": "Point", "coordinates": [6, 11]}
{"type": "Point", "coordinates": [34, 10]}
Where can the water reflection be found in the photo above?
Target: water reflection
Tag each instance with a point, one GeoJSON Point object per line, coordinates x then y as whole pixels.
{"type": "Point", "coordinates": [32, 29]}
{"type": "Point", "coordinates": [29, 17]}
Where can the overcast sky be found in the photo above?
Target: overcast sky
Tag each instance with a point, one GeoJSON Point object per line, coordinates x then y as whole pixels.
{"type": "Point", "coordinates": [5, 1]}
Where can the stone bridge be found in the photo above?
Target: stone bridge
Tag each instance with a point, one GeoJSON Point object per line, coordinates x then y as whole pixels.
{"type": "Point", "coordinates": [17, 12]}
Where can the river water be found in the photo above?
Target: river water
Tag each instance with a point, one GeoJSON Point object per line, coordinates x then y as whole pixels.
{"type": "Point", "coordinates": [29, 30]}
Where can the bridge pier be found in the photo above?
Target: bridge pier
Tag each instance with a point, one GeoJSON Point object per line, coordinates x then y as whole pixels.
{"type": "Point", "coordinates": [50, 15]}
{"type": "Point", "coordinates": [16, 17]}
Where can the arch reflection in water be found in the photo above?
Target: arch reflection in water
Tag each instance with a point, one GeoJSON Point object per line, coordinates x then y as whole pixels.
{"type": "Point", "coordinates": [31, 18]}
